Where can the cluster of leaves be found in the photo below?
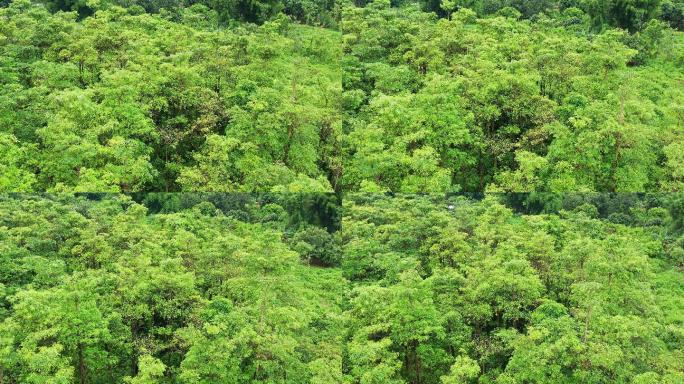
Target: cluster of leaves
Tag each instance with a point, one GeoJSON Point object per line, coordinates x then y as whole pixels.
{"type": "Point", "coordinates": [673, 13]}
{"type": "Point", "coordinates": [467, 291]}
{"type": "Point", "coordinates": [101, 290]}
{"type": "Point", "coordinates": [124, 102]}
{"type": "Point", "coordinates": [498, 103]}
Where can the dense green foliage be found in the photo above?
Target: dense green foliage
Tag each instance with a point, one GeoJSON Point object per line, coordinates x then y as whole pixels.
{"type": "Point", "coordinates": [269, 191]}
{"type": "Point", "coordinates": [673, 13]}
{"type": "Point", "coordinates": [102, 290]}
{"type": "Point", "coordinates": [123, 102]}
{"type": "Point", "coordinates": [632, 15]}
{"type": "Point", "coordinates": [468, 103]}
{"type": "Point", "coordinates": [569, 96]}
{"type": "Point", "coordinates": [313, 12]}
{"type": "Point", "coordinates": [464, 291]}
{"type": "Point", "coordinates": [235, 288]}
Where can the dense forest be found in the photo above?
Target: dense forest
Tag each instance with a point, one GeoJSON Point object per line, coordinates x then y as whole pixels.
{"type": "Point", "coordinates": [516, 100]}
{"type": "Point", "coordinates": [587, 289]}
{"type": "Point", "coordinates": [239, 288]}
{"type": "Point", "coordinates": [123, 101]}
{"type": "Point", "coordinates": [341, 191]}
{"type": "Point", "coordinates": [252, 96]}
{"type": "Point", "coordinates": [193, 289]}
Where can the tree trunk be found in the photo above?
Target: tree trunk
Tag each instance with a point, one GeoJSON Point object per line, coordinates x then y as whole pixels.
{"type": "Point", "coordinates": [82, 372]}
{"type": "Point", "coordinates": [134, 354]}
{"type": "Point", "coordinates": [586, 326]}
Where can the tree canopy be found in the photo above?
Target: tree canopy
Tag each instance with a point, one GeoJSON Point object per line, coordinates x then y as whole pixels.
{"type": "Point", "coordinates": [471, 96]}
{"type": "Point", "coordinates": [100, 289]}
{"type": "Point", "coordinates": [249, 288]}
{"type": "Point", "coordinates": [471, 290]}
{"type": "Point", "coordinates": [128, 102]}
{"type": "Point", "coordinates": [341, 191]}
{"type": "Point", "coordinates": [492, 102]}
